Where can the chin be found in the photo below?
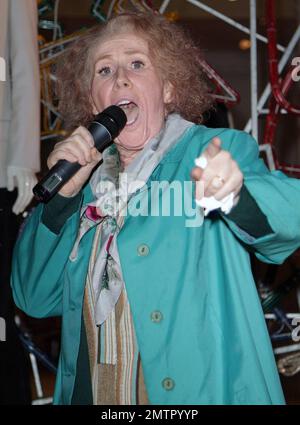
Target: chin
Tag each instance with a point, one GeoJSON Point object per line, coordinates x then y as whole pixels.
{"type": "Point", "coordinates": [129, 145]}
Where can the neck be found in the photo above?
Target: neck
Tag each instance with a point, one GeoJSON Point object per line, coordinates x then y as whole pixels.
{"type": "Point", "coordinates": [126, 155]}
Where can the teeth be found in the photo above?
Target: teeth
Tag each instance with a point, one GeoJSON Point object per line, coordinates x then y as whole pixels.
{"type": "Point", "coordinates": [131, 110]}
{"type": "Point", "coordinates": [124, 102]}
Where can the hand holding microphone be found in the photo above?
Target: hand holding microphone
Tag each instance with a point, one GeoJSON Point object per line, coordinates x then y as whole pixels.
{"type": "Point", "coordinates": [78, 148]}
{"type": "Point", "coordinates": [73, 159]}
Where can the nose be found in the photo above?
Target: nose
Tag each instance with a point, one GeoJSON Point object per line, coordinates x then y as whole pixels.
{"type": "Point", "coordinates": [122, 79]}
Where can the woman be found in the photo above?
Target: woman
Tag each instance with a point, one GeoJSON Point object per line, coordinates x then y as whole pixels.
{"type": "Point", "coordinates": [188, 328]}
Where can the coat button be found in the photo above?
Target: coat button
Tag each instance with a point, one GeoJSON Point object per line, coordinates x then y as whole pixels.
{"type": "Point", "coordinates": [156, 316]}
{"type": "Point", "coordinates": [168, 384]}
{"type": "Point", "coordinates": [143, 250]}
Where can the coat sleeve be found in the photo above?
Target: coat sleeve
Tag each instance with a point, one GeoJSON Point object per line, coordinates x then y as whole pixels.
{"type": "Point", "coordinates": [277, 195]}
{"type": "Point", "coordinates": [24, 143]}
{"type": "Point", "coordinates": [38, 266]}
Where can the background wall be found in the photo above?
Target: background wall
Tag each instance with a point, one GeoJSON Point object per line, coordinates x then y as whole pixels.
{"type": "Point", "coordinates": [220, 44]}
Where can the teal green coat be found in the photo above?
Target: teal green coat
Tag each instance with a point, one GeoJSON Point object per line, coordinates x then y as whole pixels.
{"type": "Point", "coordinates": [212, 341]}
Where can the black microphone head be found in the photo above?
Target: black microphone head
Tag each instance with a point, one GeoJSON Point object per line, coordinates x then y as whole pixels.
{"type": "Point", "coordinates": [117, 114]}
{"type": "Point", "coordinates": [113, 118]}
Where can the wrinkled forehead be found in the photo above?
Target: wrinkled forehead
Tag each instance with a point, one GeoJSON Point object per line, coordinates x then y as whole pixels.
{"type": "Point", "coordinates": [122, 43]}
{"type": "Point", "coordinates": [123, 37]}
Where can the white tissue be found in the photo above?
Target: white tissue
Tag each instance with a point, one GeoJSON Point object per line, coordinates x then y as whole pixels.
{"type": "Point", "coordinates": [210, 203]}
{"type": "Point", "coordinates": [201, 162]}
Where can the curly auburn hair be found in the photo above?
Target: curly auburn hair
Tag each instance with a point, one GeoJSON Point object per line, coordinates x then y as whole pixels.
{"type": "Point", "coordinates": [172, 51]}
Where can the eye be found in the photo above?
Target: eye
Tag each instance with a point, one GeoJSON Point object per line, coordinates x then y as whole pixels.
{"type": "Point", "coordinates": [104, 71]}
{"type": "Point", "coordinates": [137, 64]}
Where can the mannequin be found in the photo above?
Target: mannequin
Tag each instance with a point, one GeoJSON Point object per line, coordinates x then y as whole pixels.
{"type": "Point", "coordinates": [19, 161]}
{"type": "Point", "coordinates": [19, 100]}
{"type": "Point", "coordinates": [24, 179]}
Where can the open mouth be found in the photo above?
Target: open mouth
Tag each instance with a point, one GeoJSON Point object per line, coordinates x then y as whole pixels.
{"type": "Point", "coordinates": [131, 110]}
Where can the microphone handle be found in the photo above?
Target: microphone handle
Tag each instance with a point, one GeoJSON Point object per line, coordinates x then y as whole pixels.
{"type": "Point", "coordinates": [64, 170]}
{"type": "Point", "coordinates": [53, 181]}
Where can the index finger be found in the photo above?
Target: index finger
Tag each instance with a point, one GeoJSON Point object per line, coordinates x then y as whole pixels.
{"type": "Point", "coordinates": [85, 134]}
{"type": "Point", "coordinates": [213, 148]}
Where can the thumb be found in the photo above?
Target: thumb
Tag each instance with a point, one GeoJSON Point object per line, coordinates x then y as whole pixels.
{"type": "Point", "coordinates": [97, 156]}
{"type": "Point", "coordinates": [196, 173]}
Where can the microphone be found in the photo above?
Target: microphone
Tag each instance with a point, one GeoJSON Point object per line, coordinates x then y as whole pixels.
{"type": "Point", "coordinates": [104, 128]}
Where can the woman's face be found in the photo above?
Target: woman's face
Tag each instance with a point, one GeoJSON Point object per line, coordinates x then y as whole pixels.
{"type": "Point", "coordinates": [124, 75]}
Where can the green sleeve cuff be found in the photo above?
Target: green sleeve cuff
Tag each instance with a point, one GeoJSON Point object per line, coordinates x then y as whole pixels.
{"type": "Point", "coordinates": [57, 211]}
{"type": "Point", "coordinates": [248, 216]}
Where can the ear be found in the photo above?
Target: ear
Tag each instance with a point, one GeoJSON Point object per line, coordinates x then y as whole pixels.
{"type": "Point", "coordinates": [168, 92]}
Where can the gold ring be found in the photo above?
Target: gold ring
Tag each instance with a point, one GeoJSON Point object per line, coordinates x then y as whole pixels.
{"type": "Point", "coordinates": [221, 179]}
{"type": "Point", "coordinates": [218, 183]}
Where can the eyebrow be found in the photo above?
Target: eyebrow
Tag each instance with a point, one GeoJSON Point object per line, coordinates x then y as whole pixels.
{"type": "Point", "coordinates": [129, 51]}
